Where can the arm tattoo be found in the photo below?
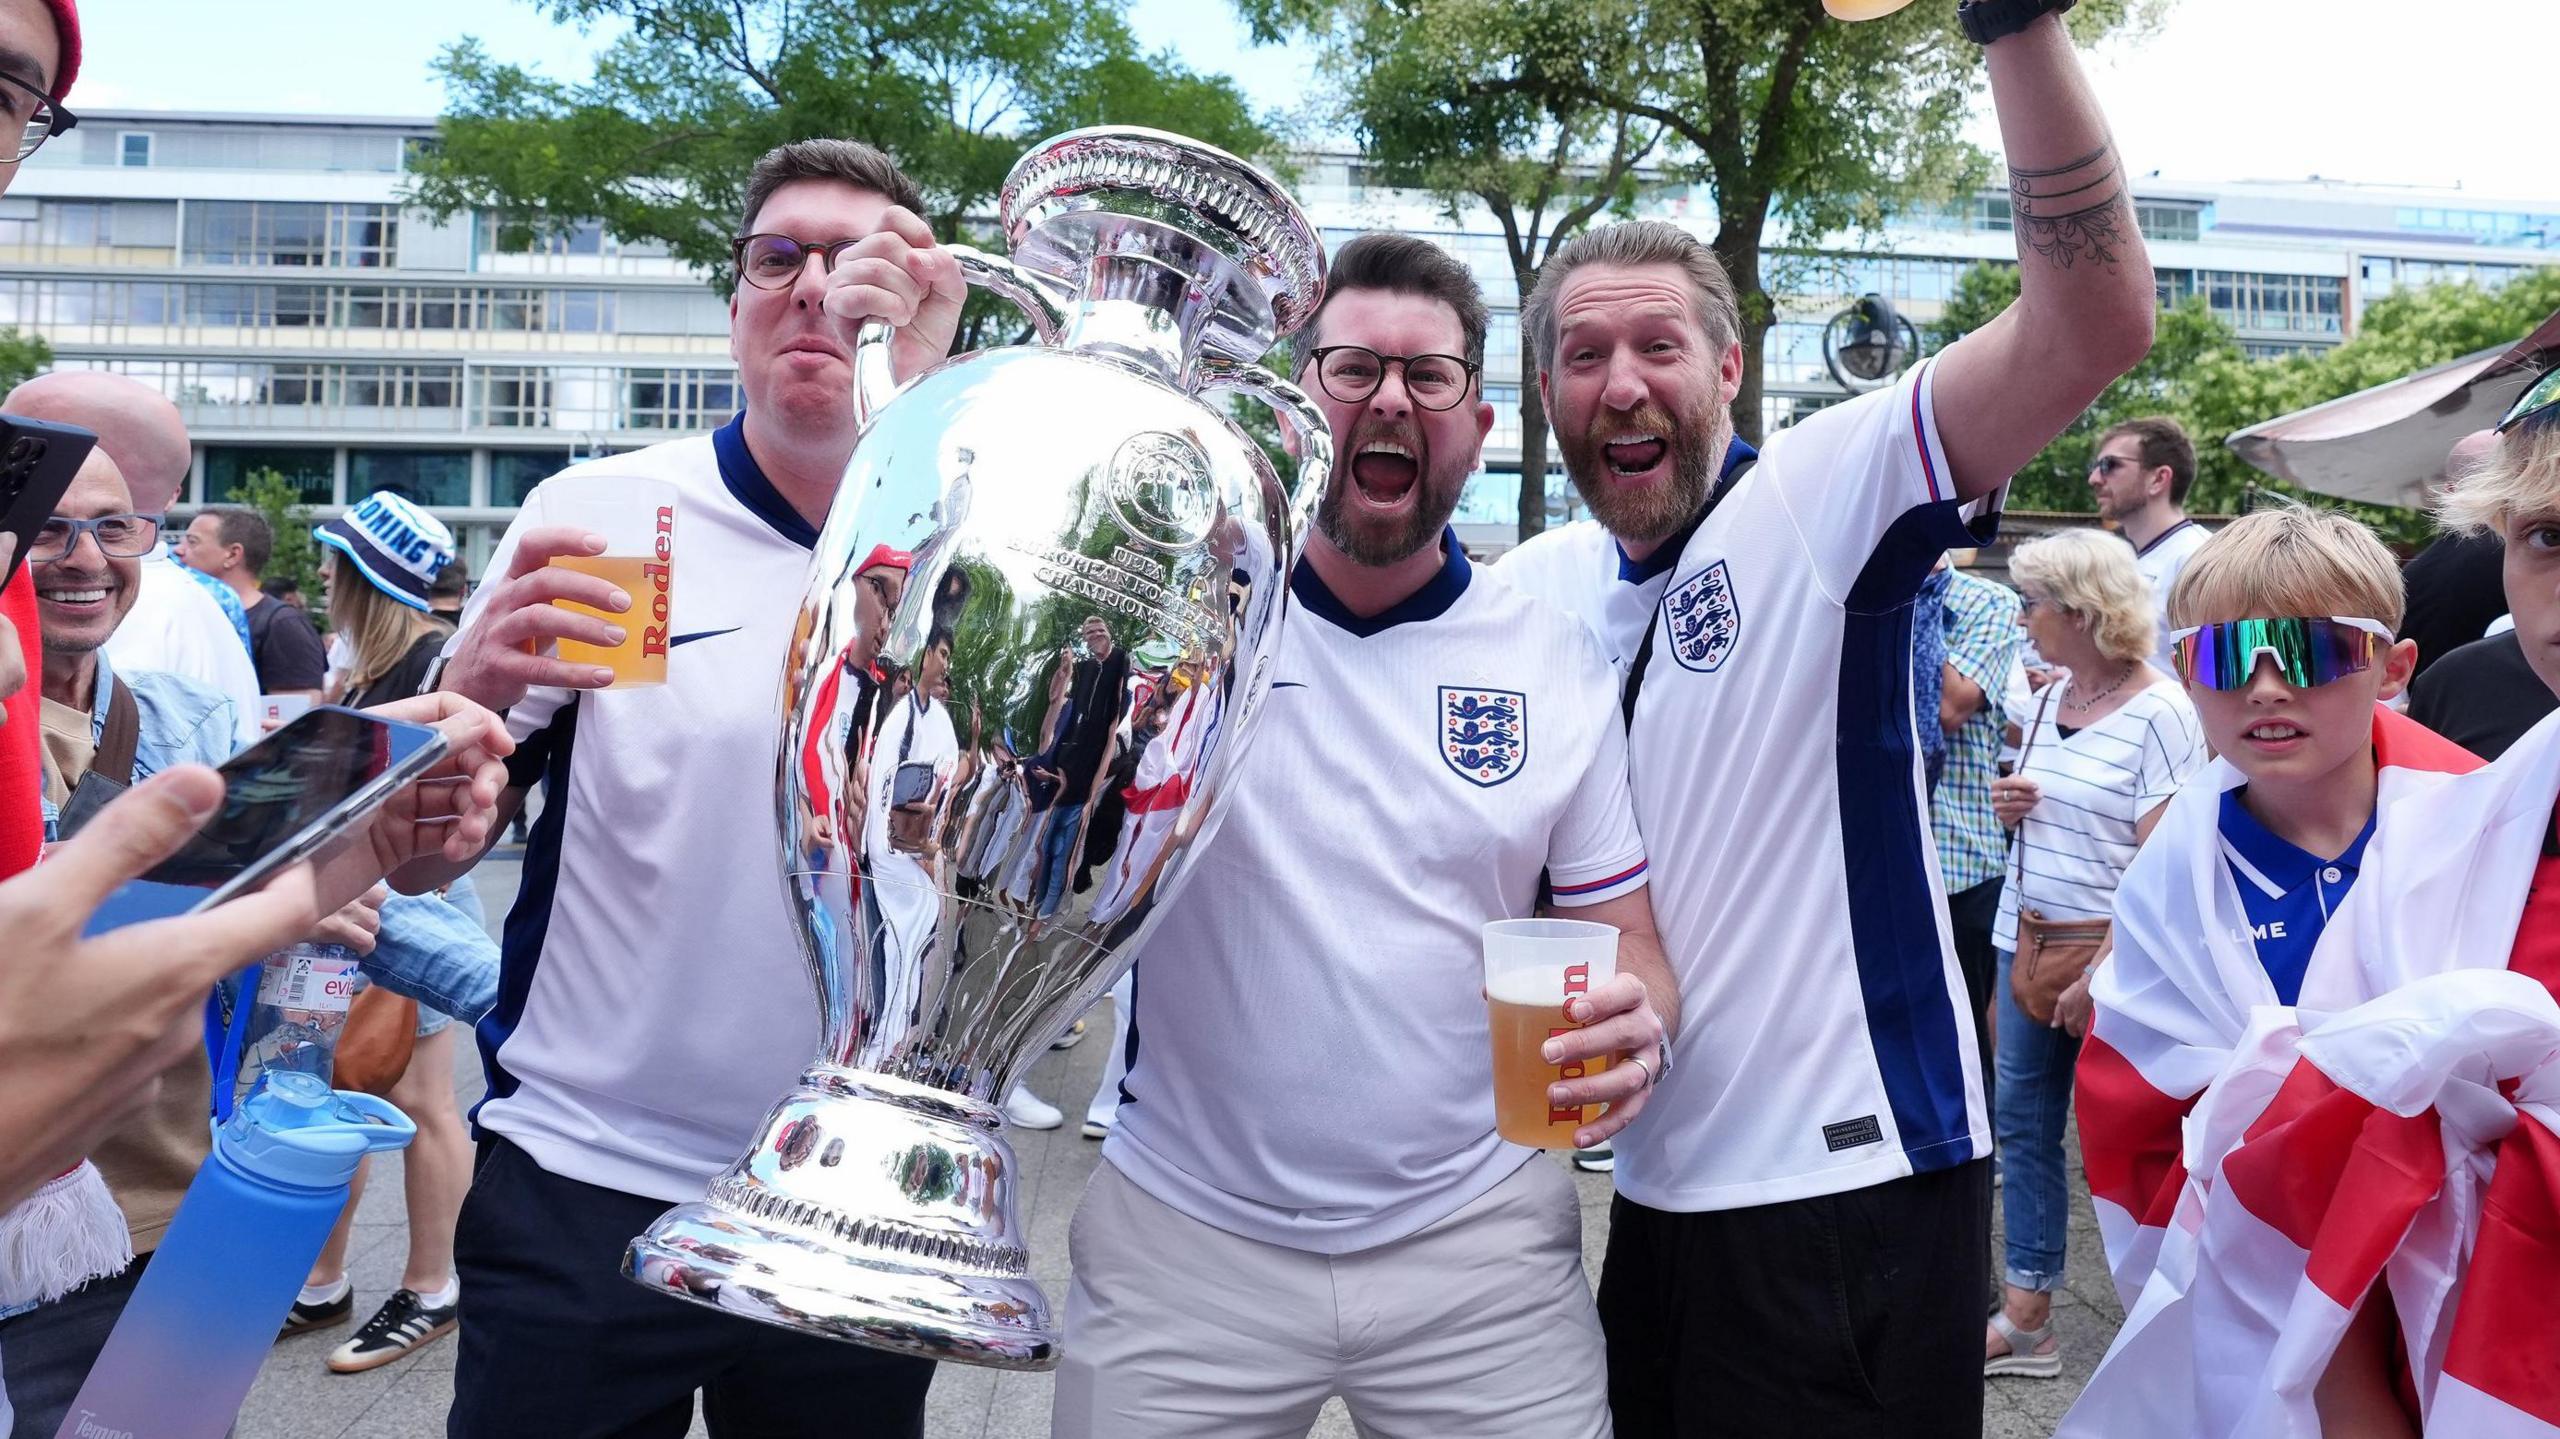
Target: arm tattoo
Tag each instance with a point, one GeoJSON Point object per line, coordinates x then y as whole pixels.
{"type": "Point", "coordinates": [2071, 211]}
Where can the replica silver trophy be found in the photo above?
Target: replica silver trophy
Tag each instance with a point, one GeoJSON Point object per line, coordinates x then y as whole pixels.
{"type": "Point", "coordinates": [1039, 627]}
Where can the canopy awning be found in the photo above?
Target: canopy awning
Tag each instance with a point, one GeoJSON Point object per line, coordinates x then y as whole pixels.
{"type": "Point", "coordinates": [2387, 445]}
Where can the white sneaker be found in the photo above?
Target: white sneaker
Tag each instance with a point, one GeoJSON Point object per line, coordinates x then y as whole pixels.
{"type": "Point", "coordinates": [1096, 1129]}
{"type": "Point", "coordinates": [1069, 1040]}
{"type": "Point", "coordinates": [1026, 1110]}
{"type": "Point", "coordinates": [1598, 1159]}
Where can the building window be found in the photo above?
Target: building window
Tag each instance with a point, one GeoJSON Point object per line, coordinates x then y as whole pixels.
{"type": "Point", "coordinates": [403, 387]}
{"type": "Point", "coordinates": [436, 478]}
{"type": "Point", "coordinates": [514, 473]}
{"type": "Point", "coordinates": [133, 148]}
{"type": "Point", "coordinates": [270, 232]}
{"type": "Point", "coordinates": [2164, 221]}
{"type": "Point", "coordinates": [78, 223]}
{"type": "Point", "coordinates": [678, 399]}
{"type": "Point", "coordinates": [312, 472]}
{"type": "Point", "coordinates": [514, 397]}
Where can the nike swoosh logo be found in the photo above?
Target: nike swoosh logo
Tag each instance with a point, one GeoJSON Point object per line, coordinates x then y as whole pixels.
{"type": "Point", "coordinates": [702, 635]}
{"type": "Point", "coordinates": [1288, 684]}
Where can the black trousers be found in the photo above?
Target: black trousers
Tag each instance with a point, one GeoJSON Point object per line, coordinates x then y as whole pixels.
{"type": "Point", "coordinates": [1843, 1316]}
{"type": "Point", "coordinates": [1974, 914]}
{"type": "Point", "coordinates": [554, 1341]}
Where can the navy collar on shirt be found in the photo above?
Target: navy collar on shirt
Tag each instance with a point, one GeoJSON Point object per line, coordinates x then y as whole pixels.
{"type": "Point", "coordinates": [1427, 603]}
{"type": "Point", "coordinates": [2287, 864]}
{"type": "Point", "coordinates": [1634, 572]}
{"type": "Point", "coordinates": [2162, 538]}
{"type": "Point", "coordinates": [745, 479]}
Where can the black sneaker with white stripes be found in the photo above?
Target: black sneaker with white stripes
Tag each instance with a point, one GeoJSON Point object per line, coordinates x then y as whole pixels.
{"type": "Point", "coordinates": [401, 1327]}
{"type": "Point", "coordinates": [304, 1316]}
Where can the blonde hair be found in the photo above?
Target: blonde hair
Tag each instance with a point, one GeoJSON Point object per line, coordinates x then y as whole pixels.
{"type": "Point", "coordinates": [2290, 561]}
{"type": "Point", "coordinates": [380, 628]}
{"type": "Point", "coordinates": [2091, 573]}
{"type": "Point", "coordinates": [2519, 480]}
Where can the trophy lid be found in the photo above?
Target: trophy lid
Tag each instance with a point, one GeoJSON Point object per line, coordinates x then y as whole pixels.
{"type": "Point", "coordinates": [1124, 188]}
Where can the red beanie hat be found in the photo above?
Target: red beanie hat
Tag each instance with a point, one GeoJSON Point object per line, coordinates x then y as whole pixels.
{"type": "Point", "coordinates": [66, 23]}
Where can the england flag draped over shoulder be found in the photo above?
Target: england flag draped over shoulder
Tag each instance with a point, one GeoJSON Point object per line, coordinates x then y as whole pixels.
{"type": "Point", "coordinates": [2177, 995]}
{"type": "Point", "coordinates": [2400, 1128]}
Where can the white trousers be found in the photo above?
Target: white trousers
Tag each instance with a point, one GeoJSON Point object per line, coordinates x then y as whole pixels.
{"type": "Point", "coordinates": [1479, 1327]}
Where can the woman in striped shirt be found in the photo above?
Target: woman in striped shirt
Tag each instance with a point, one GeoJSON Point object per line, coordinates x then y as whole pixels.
{"type": "Point", "coordinates": [2108, 743]}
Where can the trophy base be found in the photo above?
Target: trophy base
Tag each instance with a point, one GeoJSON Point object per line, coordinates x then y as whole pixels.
{"type": "Point", "coordinates": [892, 1254]}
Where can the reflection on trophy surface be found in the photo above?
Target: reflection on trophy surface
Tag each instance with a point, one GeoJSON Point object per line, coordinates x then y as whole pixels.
{"type": "Point", "coordinates": [1077, 565]}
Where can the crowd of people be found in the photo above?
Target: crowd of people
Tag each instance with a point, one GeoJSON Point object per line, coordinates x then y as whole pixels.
{"type": "Point", "coordinates": [2187, 833]}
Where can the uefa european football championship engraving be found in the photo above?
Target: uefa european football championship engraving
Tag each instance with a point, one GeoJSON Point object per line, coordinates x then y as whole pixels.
{"type": "Point", "coordinates": [1095, 564]}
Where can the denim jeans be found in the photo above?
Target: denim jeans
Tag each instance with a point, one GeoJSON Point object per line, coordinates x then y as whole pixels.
{"type": "Point", "coordinates": [2032, 1104]}
{"type": "Point", "coordinates": [1058, 855]}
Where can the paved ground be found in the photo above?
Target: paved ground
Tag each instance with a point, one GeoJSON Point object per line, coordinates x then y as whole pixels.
{"type": "Point", "coordinates": [297, 1398]}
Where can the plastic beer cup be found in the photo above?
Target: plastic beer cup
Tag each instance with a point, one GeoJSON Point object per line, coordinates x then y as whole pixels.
{"type": "Point", "coordinates": [637, 518]}
{"type": "Point", "coordinates": [1532, 969]}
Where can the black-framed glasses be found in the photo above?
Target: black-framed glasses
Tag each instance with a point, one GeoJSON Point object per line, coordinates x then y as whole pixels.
{"type": "Point", "coordinates": [1352, 373]}
{"type": "Point", "coordinates": [120, 537]}
{"type": "Point", "coordinates": [35, 116]}
{"type": "Point", "coordinates": [773, 262]}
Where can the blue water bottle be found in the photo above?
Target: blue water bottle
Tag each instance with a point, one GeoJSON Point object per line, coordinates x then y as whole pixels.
{"type": "Point", "coordinates": [206, 1313]}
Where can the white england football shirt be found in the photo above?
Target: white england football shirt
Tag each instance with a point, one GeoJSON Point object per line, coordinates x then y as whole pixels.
{"type": "Point", "coordinates": [2161, 562]}
{"type": "Point", "coordinates": [1825, 1043]}
{"type": "Point", "coordinates": [1312, 1066]}
{"type": "Point", "coordinates": [1559, 564]}
{"type": "Point", "coordinates": [652, 1001]}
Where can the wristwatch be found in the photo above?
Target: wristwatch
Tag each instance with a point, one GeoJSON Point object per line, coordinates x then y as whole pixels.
{"type": "Point", "coordinates": [1987, 20]}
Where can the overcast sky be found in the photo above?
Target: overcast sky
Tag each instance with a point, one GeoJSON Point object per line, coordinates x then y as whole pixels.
{"type": "Point", "coordinates": [2446, 92]}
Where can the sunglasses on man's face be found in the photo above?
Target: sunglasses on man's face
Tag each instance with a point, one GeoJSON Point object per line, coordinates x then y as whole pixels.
{"type": "Point", "coordinates": [2308, 653]}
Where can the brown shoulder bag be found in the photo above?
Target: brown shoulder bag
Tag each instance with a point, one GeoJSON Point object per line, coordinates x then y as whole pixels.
{"type": "Point", "coordinates": [2052, 953]}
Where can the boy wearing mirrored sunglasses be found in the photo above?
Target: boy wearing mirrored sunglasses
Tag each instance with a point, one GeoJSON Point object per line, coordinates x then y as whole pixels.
{"type": "Point", "coordinates": [2283, 630]}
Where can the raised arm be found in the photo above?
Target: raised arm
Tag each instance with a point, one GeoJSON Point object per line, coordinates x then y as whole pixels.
{"type": "Point", "coordinates": [2084, 309]}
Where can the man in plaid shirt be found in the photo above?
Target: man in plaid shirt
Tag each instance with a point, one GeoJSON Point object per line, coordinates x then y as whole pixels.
{"type": "Point", "coordinates": [1981, 629]}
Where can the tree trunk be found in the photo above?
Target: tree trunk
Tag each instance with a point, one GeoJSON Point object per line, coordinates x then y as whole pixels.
{"type": "Point", "coordinates": [1533, 445]}
{"type": "Point", "coordinates": [1739, 248]}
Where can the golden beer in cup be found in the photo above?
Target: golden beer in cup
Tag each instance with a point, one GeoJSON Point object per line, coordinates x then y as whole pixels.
{"type": "Point", "coordinates": [637, 518]}
{"type": "Point", "coordinates": [1533, 969]}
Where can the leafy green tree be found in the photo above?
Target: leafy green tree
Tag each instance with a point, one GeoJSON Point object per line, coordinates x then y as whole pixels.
{"type": "Point", "coordinates": [296, 555]}
{"type": "Point", "coordinates": [658, 143]}
{"type": "Point", "coordinates": [1789, 119]}
{"type": "Point", "coordinates": [22, 356]}
{"type": "Point", "coordinates": [1432, 89]}
{"type": "Point", "coordinates": [2199, 375]}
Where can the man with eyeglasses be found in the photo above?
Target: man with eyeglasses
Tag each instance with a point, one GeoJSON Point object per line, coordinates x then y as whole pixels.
{"type": "Point", "coordinates": [183, 622]}
{"type": "Point", "coordinates": [652, 998]}
{"type": "Point", "coordinates": [1303, 1194]}
{"type": "Point", "coordinates": [2139, 478]}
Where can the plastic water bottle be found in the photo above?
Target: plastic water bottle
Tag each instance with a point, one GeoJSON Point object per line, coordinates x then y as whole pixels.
{"type": "Point", "coordinates": [205, 1315]}
{"type": "Point", "coordinates": [293, 1022]}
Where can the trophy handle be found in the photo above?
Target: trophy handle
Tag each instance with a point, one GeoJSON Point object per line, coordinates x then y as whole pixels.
{"type": "Point", "coordinates": [876, 384]}
{"type": "Point", "coordinates": [1315, 436]}
{"type": "Point", "coordinates": [1029, 290]}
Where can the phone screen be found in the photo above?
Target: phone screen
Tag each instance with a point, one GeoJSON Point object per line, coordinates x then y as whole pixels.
{"type": "Point", "coordinates": [274, 793]}
{"type": "Point", "coordinates": [282, 785]}
{"type": "Point", "coordinates": [37, 463]}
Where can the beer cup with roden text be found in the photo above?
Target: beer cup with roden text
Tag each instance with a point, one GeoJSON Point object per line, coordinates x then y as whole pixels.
{"type": "Point", "coordinates": [637, 517]}
{"type": "Point", "coordinates": [1532, 969]}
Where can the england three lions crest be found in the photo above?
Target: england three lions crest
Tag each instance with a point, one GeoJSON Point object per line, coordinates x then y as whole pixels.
{"type": "Point", "coordinates": [1484, 734]}
{"type": "Point", "coordinates": [1703, 618]}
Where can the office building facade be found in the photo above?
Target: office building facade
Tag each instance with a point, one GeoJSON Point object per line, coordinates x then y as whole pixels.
{"type": "Point", "coordinates": [264, 271]}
